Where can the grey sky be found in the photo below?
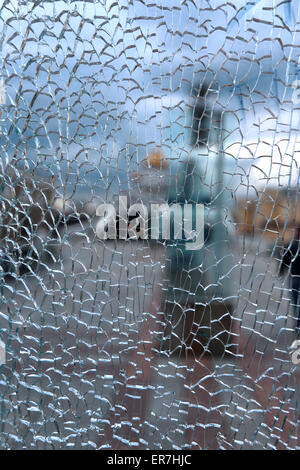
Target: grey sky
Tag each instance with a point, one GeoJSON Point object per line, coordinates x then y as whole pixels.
{"type": "Point", "coordinates": [105, 72]}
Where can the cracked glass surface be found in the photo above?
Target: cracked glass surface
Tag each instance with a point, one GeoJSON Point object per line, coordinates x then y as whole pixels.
{"type": "Point", "coordinates": [145, 343]}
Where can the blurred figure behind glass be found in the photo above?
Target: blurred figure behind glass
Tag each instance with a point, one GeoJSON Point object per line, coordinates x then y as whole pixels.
{"type": "Point", "coordinates": [291, 261]}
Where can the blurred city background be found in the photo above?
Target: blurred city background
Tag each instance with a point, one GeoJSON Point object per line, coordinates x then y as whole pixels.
{"type": "Point", "coordinates": [144, 343]}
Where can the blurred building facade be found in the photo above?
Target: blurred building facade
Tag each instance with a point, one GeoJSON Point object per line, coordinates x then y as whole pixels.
{"type": "Point", "coordinates": [273, 214]}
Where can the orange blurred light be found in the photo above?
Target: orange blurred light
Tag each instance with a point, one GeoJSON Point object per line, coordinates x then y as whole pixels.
{"type": "Point", "coordinates": [156, 159]}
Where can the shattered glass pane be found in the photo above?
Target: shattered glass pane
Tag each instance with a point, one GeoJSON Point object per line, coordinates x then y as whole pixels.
{"type": "Point", "coordinates": [149, 224]}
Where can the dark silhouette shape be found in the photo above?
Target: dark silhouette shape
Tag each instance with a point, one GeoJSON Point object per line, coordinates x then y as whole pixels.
{"type": "Point", "coordinates": [291, 261]}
